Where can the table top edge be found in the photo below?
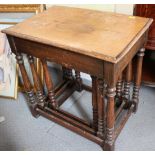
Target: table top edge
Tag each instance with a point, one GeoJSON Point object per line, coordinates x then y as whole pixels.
{"type": "Point", "coordinates": [81, 51]}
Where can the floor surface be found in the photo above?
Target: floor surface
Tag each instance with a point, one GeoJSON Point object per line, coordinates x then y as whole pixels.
{"type": "Point", "coordinates": [20, 131]}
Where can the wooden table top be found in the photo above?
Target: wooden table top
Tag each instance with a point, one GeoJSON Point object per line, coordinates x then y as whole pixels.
{"type": "Point", "coordinates": [104, 35]}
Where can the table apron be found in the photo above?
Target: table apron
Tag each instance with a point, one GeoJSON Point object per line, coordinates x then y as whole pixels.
{"type": "Point", "coordinates": [61, 56]}
{"type": "Point", "coordinates": [120, 66]}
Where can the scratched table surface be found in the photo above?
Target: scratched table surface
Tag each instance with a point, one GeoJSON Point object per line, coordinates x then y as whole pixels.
{"type": "Point", "coordinates": [103, 35]}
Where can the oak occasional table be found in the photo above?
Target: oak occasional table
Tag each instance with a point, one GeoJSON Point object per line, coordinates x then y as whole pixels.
{"type": "Point", "coordinates": [101, 44]}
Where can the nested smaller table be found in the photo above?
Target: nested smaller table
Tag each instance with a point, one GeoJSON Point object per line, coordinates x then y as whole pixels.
{"type": "Point", "coordinates": [101, 44]}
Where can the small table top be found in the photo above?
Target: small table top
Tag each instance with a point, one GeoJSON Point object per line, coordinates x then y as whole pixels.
{"type": "Point", "coordinates": [104, 35]}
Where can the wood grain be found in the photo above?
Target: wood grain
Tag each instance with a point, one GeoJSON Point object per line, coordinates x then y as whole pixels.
{"type": "Point", "coordinates": [102, 35]}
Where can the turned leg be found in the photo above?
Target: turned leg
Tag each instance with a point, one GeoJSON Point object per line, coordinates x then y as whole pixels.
{"type": "Point", "coordinates": [119, 94]}
{"type": "Point", "coordinates": [128, 78]}
{"type": "Point", "coordinates": [94, 103]}
{"type": "Point", "coordinates": [137, 78]}
{"type": "Point", "coordinates": [27, 85]}
{"type": "Point", "coordinates": [37, 82]}
{"type": "Point", "coordinates": [110, 119]}
{"type": "Point", "coordinates": [101, 109]}
{"type": "Point", "coordinates": [67, 73]}
{"type": "Point", "coordinates": [78, 81]}
{"type": "Point", "coordinates": [49, 85]}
